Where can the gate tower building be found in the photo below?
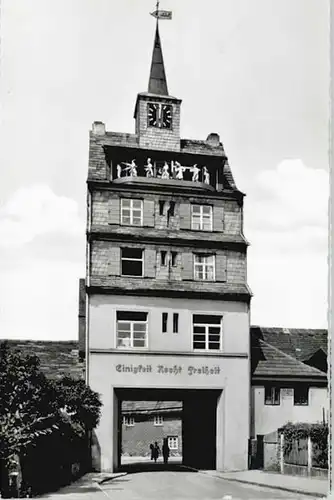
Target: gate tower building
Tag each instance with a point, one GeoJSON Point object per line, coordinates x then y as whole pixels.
{"type": "Point", "coordinates": [166, 284]}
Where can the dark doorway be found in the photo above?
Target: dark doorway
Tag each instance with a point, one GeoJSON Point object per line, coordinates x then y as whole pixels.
{"type": "Point", "coordinates": [190, 417]}
{"type": "Point", "coordinates": [146, 423]}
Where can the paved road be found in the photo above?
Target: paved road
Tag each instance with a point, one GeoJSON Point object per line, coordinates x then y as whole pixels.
{"type": "Point", "coordinates": [178, 484]}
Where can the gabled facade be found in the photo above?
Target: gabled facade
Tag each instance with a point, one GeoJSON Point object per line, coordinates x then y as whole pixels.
{"type": "Point", "coordinates": [167, 295]}
{"type": "Point", "coordinates": [147, 422]}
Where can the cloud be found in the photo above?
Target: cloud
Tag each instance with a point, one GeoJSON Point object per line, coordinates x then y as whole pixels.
{"type": "Point", "coordinates": [295, 195]}
{"type": "Point", "coordinates": [286, 224]}
{"type": "Point", "coordinates": [36, 210]}
{"type": "Point", "coordinates": [39, 300]}
{"type": "Point", "coordinates": [42, 248]}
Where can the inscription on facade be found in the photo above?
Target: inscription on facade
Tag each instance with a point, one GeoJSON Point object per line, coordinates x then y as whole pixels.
{"type": "Point", "coordinates": [168, 369]}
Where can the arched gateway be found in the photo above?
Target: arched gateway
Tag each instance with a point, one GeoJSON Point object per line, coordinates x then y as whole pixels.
{"type": "Point", "coordinates": [167, 297]}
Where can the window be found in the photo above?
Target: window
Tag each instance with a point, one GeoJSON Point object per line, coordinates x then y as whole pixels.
{"type": "Point", "coordinates": [132, 212]}
{"type": "Point", "coordinates": [131, 329]}
{"type": "Point", "coordinates": [164, 322]}
{"type": "Point", "coordinates": [204, 267]}
{"type": "Point", "coordinates": [173, 442]}
{"type": "Point", "coordinates": [174, 256]}
{"type": "Point", "coordinates": [175, 322]}
{"type": "Point", "coordinates": [158, 420]}
{"type": "Point", "coordinates": [300, 396]}
{"type": "Point", "coordinates": [128, 421]}
{"type": "Point", "coordinates": [272, 395]}
{"type": "Point", "coordinates": [201, 217]}
{"type": "Point", "coordinates": [161, 207]}
{"type": "Point", "coordinates": [132, 262]}
{"type": "Point", "coordinates": [207, 330]}
{"type": "Point", "coordinates": [171, 209]}
{"type": "Point", "coordinates": [163, 258]}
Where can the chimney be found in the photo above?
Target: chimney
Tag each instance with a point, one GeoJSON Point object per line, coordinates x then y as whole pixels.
{"type": "Point", "coordinates": [98, 128]}
{"type": "Point", "coordinates": [213, 139]}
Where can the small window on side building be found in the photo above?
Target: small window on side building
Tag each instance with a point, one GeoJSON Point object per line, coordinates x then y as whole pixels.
{"type": "Point", "coordinates": [158, 420]}
{"type": "Point", "coordinates": [174, 257]}
{"type": "Point", "coordinates": [300, 395]}
{"type": "Point", "coordinates": [272, 395]}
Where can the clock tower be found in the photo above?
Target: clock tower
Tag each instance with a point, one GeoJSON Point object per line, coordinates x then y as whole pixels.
{"type": "Point", "coordinates": [157, 114]}
{"type": "Point", "coordinates": [166, 281]}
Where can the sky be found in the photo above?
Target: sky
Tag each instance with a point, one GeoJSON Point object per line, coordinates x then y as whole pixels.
{"type": "Point", "coordinates": [254, 71]}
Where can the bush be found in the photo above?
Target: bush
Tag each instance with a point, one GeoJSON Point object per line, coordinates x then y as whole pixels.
{"type": "Point", "coordinates": [318, 433]}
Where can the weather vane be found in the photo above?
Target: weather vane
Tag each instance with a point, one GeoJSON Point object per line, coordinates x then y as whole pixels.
{"type": "Point", "coordinates": [161, 14]}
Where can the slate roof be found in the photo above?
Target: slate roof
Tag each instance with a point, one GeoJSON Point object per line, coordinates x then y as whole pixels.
{"type": "Point", "coordinates": [301, 343]}
{"type": "Point", "coordinates": [268, 361]}
{"type": "Point", "coordinates": [58, 358]}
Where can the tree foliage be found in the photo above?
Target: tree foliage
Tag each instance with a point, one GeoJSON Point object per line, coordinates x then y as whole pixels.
{"type": "Point", "coordinates": [32, 406]}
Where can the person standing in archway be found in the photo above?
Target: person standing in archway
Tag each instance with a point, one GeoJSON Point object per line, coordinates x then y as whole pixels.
{"type": "Point", "coordinates": [165, 451]}
{"type": "Point", "coordinates": [152, 451]}
{"type": "Point", "coordinates": [156, 451]}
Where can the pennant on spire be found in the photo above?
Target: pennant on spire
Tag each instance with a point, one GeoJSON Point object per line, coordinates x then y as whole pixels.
{"type": "Point", "coordinates": [157, 83]}
{"type": "Point", "coordinates": [162, 14]}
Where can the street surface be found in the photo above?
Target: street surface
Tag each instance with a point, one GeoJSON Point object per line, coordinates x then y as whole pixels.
{"type": "Point", "coordinates": [148, 481]}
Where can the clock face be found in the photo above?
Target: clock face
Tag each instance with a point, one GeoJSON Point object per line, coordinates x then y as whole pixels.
{"type": "Point", "coordinates": [166, 116]}
{"type": "Point", "coordinates": [153, 115]}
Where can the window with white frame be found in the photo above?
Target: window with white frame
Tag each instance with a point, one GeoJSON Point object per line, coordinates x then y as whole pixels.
{"type": "Point", "coordinates": [129, 421]}
{"type": "Point", "coordinates": [158, 420]}
{"type": "Point", "coordinates": [207, 332]}
{"type": "Point", "coordinates": [131, 329]}
{"type": "Point", "coordinates": [201, 217]}
{"type": "Point", "coordinates": [204, 267]}
{"type": "Point", "coordinates": [132, 261]}
{"type": "Point", "coordinates": [272, 395]}
{"type": "Point", "coordinates": [173, 442]}
{"type": "Point", "coordinates": [132, 212]}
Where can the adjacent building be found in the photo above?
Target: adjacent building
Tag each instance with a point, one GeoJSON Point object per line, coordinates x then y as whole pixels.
{"type": "Point", "coordinates": [147, 422]}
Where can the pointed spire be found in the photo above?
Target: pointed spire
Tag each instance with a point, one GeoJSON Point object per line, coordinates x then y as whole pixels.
{"type": "Point", "coordinates": [157, 83]}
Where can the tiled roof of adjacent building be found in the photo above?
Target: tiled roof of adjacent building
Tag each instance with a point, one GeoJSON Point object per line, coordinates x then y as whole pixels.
{"type": "Point", "coordinates": [132, 407]}
{"type": "Point", "coordinates": [268, 361]}
{"type": "Point", "coordinates": [301, 343]}
{"type": "Point", "coordinates": [58, 358]}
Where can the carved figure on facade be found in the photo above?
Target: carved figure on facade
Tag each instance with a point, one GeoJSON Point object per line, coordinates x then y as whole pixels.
{"type": "Point", "coordinates": [206, 176]}
{"type": "Point", "coordinates": [149, 168]}
{"type": "Point", "coordinates": [131, 168]}
{"type": "Point", "coordinates": [179, 169]}
{"type": "Point", "coordinates": [195, 170]}
{"type": "Point", "coordinates": [165, 171]}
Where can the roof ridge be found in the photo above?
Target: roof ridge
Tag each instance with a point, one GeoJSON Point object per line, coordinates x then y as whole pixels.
{"type": "Point", "coordinates": [289, 328]}
{"type": "Point", "coordinates": [300, 363]}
